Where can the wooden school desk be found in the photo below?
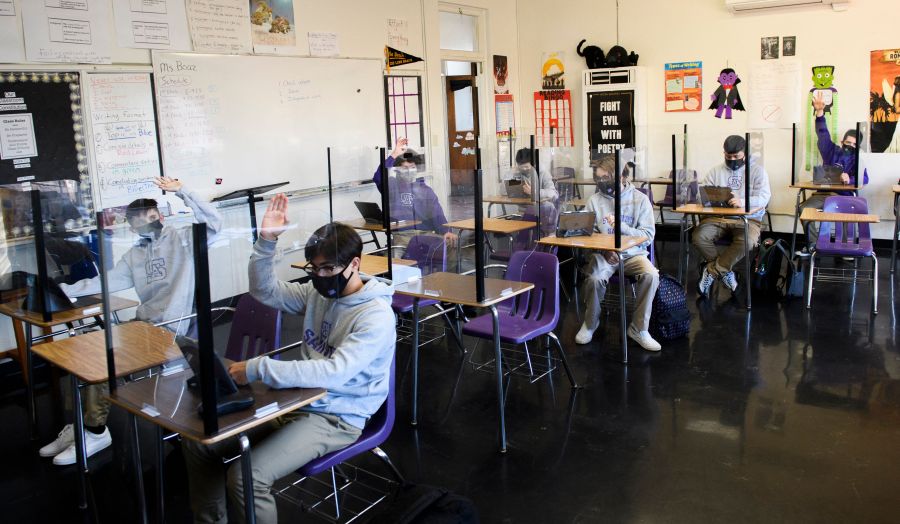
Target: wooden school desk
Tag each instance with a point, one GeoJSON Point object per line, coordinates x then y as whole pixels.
{"type": "Point", "coordinates": [896, 190]}
{"type": "Point", "coordinates": [504, 201]}
{"type": "Point", "coordinates": [167, 402]}
{"type": "Point", "coordinates": [460, 290]}
{"type": "Point", "coordinates": [378, 227]}
{"type": "Point", "coordinates": [137, 346]}
{"type": "Point", "coordinates": [603, 242]}
{"type": "Point", "coordinates": [802, 188]}
{"type": "Point", "coordinates": [491, 225]}
{"type": "Point", "coordinates": [370, 264]}
{"type": "Point", "coordinates": [16, 313]}
{"type": "Point", "coordinates": [725, 212]}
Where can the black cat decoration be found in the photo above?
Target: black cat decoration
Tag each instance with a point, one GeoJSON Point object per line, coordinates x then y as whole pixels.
{"type": "Point", "coordinates": [616, 57]}
{"type": "Point", "coordinates": [592, 54]}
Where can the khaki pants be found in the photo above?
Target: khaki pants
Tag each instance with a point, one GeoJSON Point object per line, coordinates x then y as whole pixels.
{"type": "Point", "coordinates": [94, 403]}
{"type": "Point", "coordinates": [277, 449]}
{"type": "Point", "coordinates": [598, 271]}
{"type": "Point", "coordinates": [712, 229]}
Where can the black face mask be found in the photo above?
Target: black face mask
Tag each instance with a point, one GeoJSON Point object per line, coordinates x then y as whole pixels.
{"type": "Point", "coordinates": [606, 187]}
{"type": "Point", "coordinates": [848, 150]}
{"type": "Point", "coordinates": [150, 230]}
{"type": "Point", "coordinates": [330, 287]}
{"type": "Point", "coordinates": [734, 164]}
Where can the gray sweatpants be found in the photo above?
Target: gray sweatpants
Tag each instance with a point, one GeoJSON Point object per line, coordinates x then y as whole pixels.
{"type": "Point", "coordinates": [276, 450]}
{"type": "Point", "coordinates": [598, 271]}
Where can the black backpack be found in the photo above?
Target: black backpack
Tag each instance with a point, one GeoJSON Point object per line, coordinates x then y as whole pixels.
{"type": "Point", "coordinates": [670, 318]}
{"type": "Point", "coordinates": [775, 277]}
{"type": "Point", "coordinates": [421, 504]}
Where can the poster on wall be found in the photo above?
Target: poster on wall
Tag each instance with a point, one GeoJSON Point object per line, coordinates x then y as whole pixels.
{"type": "Point", "coordinates": [553, 71]}
{"type": "Point", "coordinates": [500, 71]}
{"type": "Point", "coordinates": [884, 101]}
{"type": "Point", "coordinates": [504, 114]}
{"type": "Point", "coordinates": [12, 49]}
{"type": "Point", "coordinates": [397, 32]}
{"type": "Point", "coordinates": [774, 101]}
{"type": "Point", "coordinates": [220, 26]}
{"type": "Point", "coordinates": [610, 121]}
{"type": "Point", "coordinates": [159, 24]}
{"type": "Point", "coordinates": [553, 118]}
{"type": "Point", "coordinates": [273, 28]}
{"type": "Point", "coordinates": [789, 46]}
{"type": "Point", "coordinates": [684, 86]}
{"type": "Point", "coordinates": [74, 31]}
{"type": "Point", "coordinates": [768, 47]}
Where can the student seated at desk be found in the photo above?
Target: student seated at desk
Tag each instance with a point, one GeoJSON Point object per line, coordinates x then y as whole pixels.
{"type": "Point", "coordinates": [412, 199]}
{"type": "Point", "coordinates": [730, 174]}
{"type": "Point", "coordinates": [843, 155]}
{"type": "Point", "coordinates": [160, 268]}
{"type": "Point", "coordinates": [549, 194]}
{"type": "Point", "coordinates": [637, 219]}
{"type": "Point", "coordinates": [349, 337]}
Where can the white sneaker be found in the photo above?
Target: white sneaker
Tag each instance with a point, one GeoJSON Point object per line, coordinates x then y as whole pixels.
{"type": "Point", "coordinates": [92, 443]}
{"type": "Point", "coordinates": [643, 338]}
{"type": "Point", "coordinates": [584, 335]}
{"type": "Point", "coordinates": [706, 281]}
{"type": "Point", "coordinates": [64, 439]}
{"type": "Point", "coordinates": [730, 281]}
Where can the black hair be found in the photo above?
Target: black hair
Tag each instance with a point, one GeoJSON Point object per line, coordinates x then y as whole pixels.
{"type": "Point", "coordinates": [523, 156]}
{"type": "Point", "coordinates": [734, 144]}
{"type": "Point", "coordinates": [412, 157]}
{"type": "Point", "coordinates": [337, 243]}
{"type": "Point", "coordinates": [853, 133]}
{"type": "Point", "coordinates": [139, 207]}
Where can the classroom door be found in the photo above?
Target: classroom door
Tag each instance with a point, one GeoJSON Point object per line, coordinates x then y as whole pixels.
{"type": "Point", "coordinates": [462, 131]}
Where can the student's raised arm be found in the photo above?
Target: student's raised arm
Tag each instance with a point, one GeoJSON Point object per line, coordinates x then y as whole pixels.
{"type": "Point", "coordinates": [389, 161]}
{"type": "Point", "coordinates": [204, 211]}
{"type": "Point", "coordinates": [264, 285]}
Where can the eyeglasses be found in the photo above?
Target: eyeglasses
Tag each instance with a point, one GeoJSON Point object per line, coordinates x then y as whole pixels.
{"type": "Point", "coordinates": [326, 270]}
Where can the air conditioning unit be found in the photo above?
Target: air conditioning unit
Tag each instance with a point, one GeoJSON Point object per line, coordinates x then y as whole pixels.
{"type": "Point", "coordinates": [745, 6]}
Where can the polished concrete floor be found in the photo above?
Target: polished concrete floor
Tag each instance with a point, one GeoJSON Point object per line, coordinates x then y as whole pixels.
{"type": "Point", "coordinates": [775, 415]}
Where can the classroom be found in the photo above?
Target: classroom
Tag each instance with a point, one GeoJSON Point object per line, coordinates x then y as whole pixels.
{"type": "Point", "coordinates": [449, 261]}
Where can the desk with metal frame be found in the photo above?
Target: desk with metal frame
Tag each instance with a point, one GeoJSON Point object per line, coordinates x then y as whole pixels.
{"type": "Point", "coordinates": [896, 190]}
{"type": "Point", "coordinates": [802, 188]}
{"type": "Point", "coordinates": [460, 290]}
{"type": "Point", "coordinates": [370, 264]}
{"type": "Point", "coordinates": [727, 212]}
{"type": "Point", "coordinates": [602, 242]}
{"type": "Point", "coordinates": [378, 227]}
{"type": "Point", "coordinates": [491, 225]}
{"type": "Point", "coordinates": [138, 346]}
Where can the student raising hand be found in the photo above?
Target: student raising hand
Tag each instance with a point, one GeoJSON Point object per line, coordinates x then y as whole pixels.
{"type": "Point", "coordinates": [275, 220]}
{"type": "Point", "coordinates": [400, 148]}
{"type": "Point", "coordinates": [168, 184]}
{"type": "Point", "coordinates": [818, 104]}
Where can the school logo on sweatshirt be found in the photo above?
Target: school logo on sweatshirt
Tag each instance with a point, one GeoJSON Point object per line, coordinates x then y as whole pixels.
{"type": "Point", "coordinates": [735, 180]}
{"type": "Point", "coordinates": [406, 199]}
{"type": "Point", "coordinates": [156, 269]}
{"type": "Point", "coordinates": [626, 219]}
{"type": "Point", "coordinates": [319, 343]}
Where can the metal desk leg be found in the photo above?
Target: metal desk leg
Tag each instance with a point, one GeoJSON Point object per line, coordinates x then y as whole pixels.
{"type": "Point", "coordinates": [415, 363]}
{"type": "Point", "coordinates": [247, 474]}
{"type": "Point", "coordinates": [747, 258]}
{"type": "Point", "coordinates": [375, 241]}
{"type": "Point", "coordinates": [622, 327]}
{"type": "Point", "coordinates": [796, 219]}
{"type": "Point", "coordinates": [498, 361]}
{"type": "Point", "coordinates": [896, 232]}
{"type": "Point", "coordinates": [80, 452]}
{"type": "Point", "coordinates": [160, 476]}
{"type": "Point", "coordinates": [459, 248]}
{"type": "Point", "coordinates": [681, 240]}
{"type": "Point", "coordinates": [138, 468]}
{"type": "Point", "coordinates": [29, 384]}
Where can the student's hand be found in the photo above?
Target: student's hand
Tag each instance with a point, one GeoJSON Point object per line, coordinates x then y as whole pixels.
{"type": "Point", "coordinates": [845, 178]}
{"type": "Point", "coordinates": [275, 220]}
{"type": "Point", "coordinates": [819, 105]}
{"type": "Point", "coordinates": [400, 148]}
{"type": "Point", "coordinates": [238, 372]}
{"type": "Point", "coordinates": [736, 202]}
{"type": "Point", "coordinates": [611, 220]}
{"type": "Point", "coordinates": [451, 239]}
{"type": "Point", "coordinates": [611, 257]}
{"type": "Point", "coordinates": [526, 187]}
{"type": "Point", "coordinates": [168, 184]}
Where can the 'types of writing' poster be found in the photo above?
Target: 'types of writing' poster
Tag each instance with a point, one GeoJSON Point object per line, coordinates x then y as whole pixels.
{"type": "Point", "coordinates": [220, 26]}
{"type": "Point", "coordinates": [74, 31]}
{"type": "Point", "coordinates": [125, 141]}
{"type": "Point", "coordinates": [152, 24]}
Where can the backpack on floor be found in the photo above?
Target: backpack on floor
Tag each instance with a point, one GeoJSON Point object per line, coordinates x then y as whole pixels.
{"type": "Point", "coordinates": [775, 277]}
{"type": "Point", "coordinates": [421, 504]}
{"type": "Point", "coordinates": [669, 318]}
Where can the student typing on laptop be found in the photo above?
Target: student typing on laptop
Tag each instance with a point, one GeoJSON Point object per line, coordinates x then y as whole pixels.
{"type": "Point", "coordinates": [637, 219]}
{"type": "Point", "coordinates": [843, 155]}
{"type": "Point", "coordinates": [731, 174]}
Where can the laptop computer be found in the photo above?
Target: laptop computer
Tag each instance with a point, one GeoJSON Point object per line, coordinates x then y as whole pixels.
{"type": "Point", "coordinates": [828, 174]}
{"type": "Point", "coordinates": [57, 300]}
{"type": "Point", "coordinates": [370, 211]}
{"type": "Point", "coordinates": [514, 188]}
{"type": "Point", "coordinates": [228, 398]}
{"type": "Point", "coordinates": [575, 224]}
{"type": "Point", "coordinates": [715, 196]}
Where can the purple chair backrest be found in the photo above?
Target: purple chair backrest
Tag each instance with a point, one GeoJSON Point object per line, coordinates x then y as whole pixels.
{"type": "Point", "coordinates": [255, 329]}
{"type": "Point", "coordinates": [844, 233]}
{"type": "Point", "coordinates": [542, 302]}
{"type": "Point", "coordinates": [429, 252]}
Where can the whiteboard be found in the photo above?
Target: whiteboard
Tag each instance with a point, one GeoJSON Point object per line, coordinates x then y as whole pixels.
{"type": "Point", "coordinates": [233, 122]}
{"type": "Point", "coordinates": [125, 151]}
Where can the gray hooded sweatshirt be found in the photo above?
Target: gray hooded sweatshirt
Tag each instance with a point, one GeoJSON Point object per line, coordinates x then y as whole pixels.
{"type": "Point", "coordinates": [637, 216]}
{"type": "Point", "coordinates": [348, 342]}
{"type": "Point", "coordinates": [160, 270]}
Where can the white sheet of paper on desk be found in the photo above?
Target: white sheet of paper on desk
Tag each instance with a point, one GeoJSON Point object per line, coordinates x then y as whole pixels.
{"type": "Point", "coordinates": [149, 410]}
{"type": "Point", "coordinates": [432, 293]}
{"type": "Point", "coordinates": [268, 409]}
{"type": "Point", "coordinates": [507, 291]}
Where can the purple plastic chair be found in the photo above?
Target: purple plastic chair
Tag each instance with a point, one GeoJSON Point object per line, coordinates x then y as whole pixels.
{"type": "Point", "coordinates": [850, 239]}
{"type": "Point", "coordinates": [255, 329]}
{"type": "Point", "coordinates": [430, 254]}
{"type": "Point", "coordinates": [377, 430]}
{"type": "Point", "coordinates": [520, 241]}
{"type": "Point", "coordinates": [529, 315]}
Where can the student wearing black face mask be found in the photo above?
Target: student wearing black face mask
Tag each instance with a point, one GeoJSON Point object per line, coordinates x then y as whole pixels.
{"type": "Point", "coordinates": [843, 154]}
{"type": "Point", "coordinates": [160, 268]}
{"type": "Point", "coordinates": [349, 340]}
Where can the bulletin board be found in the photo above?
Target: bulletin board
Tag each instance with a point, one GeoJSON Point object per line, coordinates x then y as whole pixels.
{"type": "Point", "coordinates": [553, 110]}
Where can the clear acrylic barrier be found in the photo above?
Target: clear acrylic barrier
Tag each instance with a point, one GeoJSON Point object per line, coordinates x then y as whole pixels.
{"type": "Point", "coordinates": [352, 170]}
{"type": "Point", "coordinates": [824, 161]}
